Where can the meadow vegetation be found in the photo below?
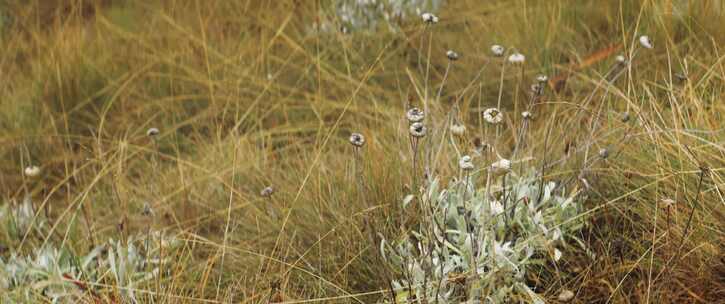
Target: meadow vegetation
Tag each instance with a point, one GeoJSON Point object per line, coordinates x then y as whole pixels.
{"type": "Point", "coordinates": [249, 191]}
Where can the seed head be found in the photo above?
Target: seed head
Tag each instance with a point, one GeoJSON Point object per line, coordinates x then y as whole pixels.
{"type": "Point", "coordinates": [497, 50]}
{"type": "Point", "coordinates": [151, 132]}
{"type": "Point", "coordinates": [645, 42]}
{"type": "Point", "coordinates": [621, 59]}
{"type": "Point", "coordinates": [517, 58]}
{"type": "Point", "coordinates": [417, 129]}
{"type": "Point", "coordinates": [493, 115]}
{"type": "Point", "coordinates": [357, 140]}
{"type": "Point", "coordinates": [465, 163]}
{"type": "Point", "coordinates": [501, 167]}
{"type": "Point", "coordinates": [32, 171]}
{"type": "Point", "coordinates": [429, 18]}
{"type": "Point", "coordinates": [537, 88]}
{"type": "Point", "coordinates": [668, 202]}
{"type": "Point", "coordinates": [415, 115]}
{"type": "Point", "coordinates": [457, 129]}
{"type": "Point", "coordinates": [452, 55]}
{"type": "Point", "coordinates": [542, 78]}
{"type": "Point", "coordinates": [147, 210]}
{"type": "Point", "coordinates": [625, 117]}
{"type": "Point", "coordinates": [603, 153]}
{"type": "Point", "coordinates": [267, 191]}
{"type": "Point", "coordinates": [526, 115]}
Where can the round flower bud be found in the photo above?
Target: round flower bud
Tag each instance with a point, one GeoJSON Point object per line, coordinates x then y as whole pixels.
{"type": "Point", "coordinates": [357, 140]}
{"type": "Point", "coordinates": [415, 115]}
{"type": "Point", "coordinates": [497, 50]}
{"type": "Point", "coordinates": [417, 130]}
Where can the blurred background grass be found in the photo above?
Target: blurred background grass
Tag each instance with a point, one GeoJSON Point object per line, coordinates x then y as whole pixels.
{"type": "Point", "coordinates": [247, 95]}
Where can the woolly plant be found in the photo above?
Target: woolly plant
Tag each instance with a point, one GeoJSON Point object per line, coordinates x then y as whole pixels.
{"type": "Point", "coordinates": [477, 243]}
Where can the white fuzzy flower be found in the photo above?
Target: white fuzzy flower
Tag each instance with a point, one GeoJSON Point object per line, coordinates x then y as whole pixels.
{"type": "Point", "coordinates": [466, 163]}
{"type": "Point", "coordinates": [457, 129]}
{"type": "Point", "coordinates": [32, 171]}
{"type": "Point", "coordinates": [501, 167]}
{"type": "Point", "coordinates": [493, 115]}
{"type": "Point", "coordinates": [357, 140]}
{"type": "Point", "coordinates": [497, 50]}
{"type": "Point", "coordinates": [267, 191]}
{"type": "Point", "coordinates": [542, 78]}
{"type": "Point", "coordinates": [621, 59]}
{"type": "Point", "coordinates": [603, 153]}
{"type": "Point", "coordinates": [151, 132]}
{"type": "Point", "coordinates": [527, 115]}
{"type": "Point", "coordinates": [429, 18]}
{"type": "Point", "coordinates": [645, 42]}
{"type": "Point", "coordinates": [496, 208]}
{"type": "Point", "coordinates": [452, 55]}
{"type": "Point", "coordinates": [517, 58]}
{"type": "Point", "coordinates": [414, 115]}
{"type": "Point", "coordinates": [417, 129]}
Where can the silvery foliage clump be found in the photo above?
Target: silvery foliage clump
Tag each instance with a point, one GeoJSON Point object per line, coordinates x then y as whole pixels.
{"type": "Point", "coordinates": [64, 276]}
{"type": "Point", "coordinates": [17, 219]}
{"type": "Point", "coordinates": [470, 248]}
{"type": "Point", "coordinates": [368, 15]}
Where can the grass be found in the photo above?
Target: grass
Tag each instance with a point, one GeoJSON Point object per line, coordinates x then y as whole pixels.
{"type": "Point", "coordinates": [246, 97]}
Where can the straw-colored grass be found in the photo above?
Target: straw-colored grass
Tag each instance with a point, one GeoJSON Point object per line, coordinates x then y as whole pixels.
{"type": "Point", "coordinates": [245, 97]}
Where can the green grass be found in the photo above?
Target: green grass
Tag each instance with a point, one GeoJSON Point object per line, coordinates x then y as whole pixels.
{"type": "Point", "coordinates": [79, 90]}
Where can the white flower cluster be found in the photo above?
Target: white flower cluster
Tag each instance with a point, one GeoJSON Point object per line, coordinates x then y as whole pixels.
{"type": "Point", "coordinates": [369, 14]}
{"type": "Point", "coordinates": [60, 276]}
{"type": "Point", "coordinates": [477, 245]}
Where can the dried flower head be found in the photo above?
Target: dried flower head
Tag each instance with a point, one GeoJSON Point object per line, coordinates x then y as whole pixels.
{"type": "Point", "coordinates": [603, 153]}
{"type": "Point", "coordinates": [452, 55]}
{"type": "Point", "coordinates": [429, 18]}
{"type": "Point", "coordinates": [357, 140]}
{"type": "Point", "coordinates": [151, 132]}
{"type": "Point", "coordinates": [417, 129]}
{"type": "Point", "coordinates": [668, 202]}
{"type": "Point", "coordinates": [625, 117]}
{"type": "Point", "coordinates": [32, 171]}
{"type": "Point", "coordinates": [147, 210]}
{"type": "Point", "coordinates": [501, 167]}
{"type": "Point", "coordinates": [645, 42]}
{"type": "Point", "coordinates": [526, 115]}
{"type": "Point", "coordinates": [537, 89]}
{"type": "Point", "coordinates": [497, 50]}
{"type": "Point", "coordinates": [681, 76]}
{"type": "Point", "coordinates": [493, 115]}
{"type": "Point", "coordinates": [457, 129]}
{"type": "Point", "coordinates": [465, 163]}
{"type": "Point", "coordinates": [542, 78]}
{"type": "Point", "coordinates": [267, 191]}
{"type": "Point", "coordinates": [415, 115]}
{"type": "Point", "coordinates": [517, 58]}
{"type": "Point", "coordinates": [621, 59]}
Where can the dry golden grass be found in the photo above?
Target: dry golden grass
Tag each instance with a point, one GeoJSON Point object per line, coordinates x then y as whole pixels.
{"type": "Point", "coordinates": [246, 97]}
